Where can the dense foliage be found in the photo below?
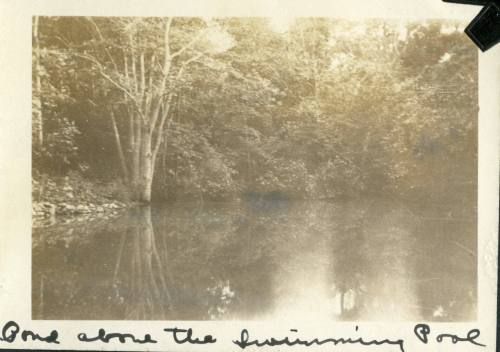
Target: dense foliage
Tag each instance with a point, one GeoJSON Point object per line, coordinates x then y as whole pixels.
{"type": "Point", "coordinates": [320, 109]}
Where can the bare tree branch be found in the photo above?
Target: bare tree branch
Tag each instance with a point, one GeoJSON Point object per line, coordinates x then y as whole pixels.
{"type": "Point", "coordinates": [112, 81]}
{"type": "Point", "coordinates": [165, 114]}
{"type": "Point", "coordinates": [166, 69]}
{"type": "Point", "coordinates": [167, 58]}
{"type": "Point", "coordinates": [134, 71]}
{"type": "Point", "coordinates": [103, 42]}
{"type": "Point", "coordinates": [187, 62]}
{"type": "Point", "coordinates": [188, 45]}
{"type": "Point", "coordinates": [159, 137]}
{"type": "Point", "coordinates": [118, 85]}
{"type": "Point", "coordinates": [119, 146]}
{"type": "Point", "coordinates": [143, 76]}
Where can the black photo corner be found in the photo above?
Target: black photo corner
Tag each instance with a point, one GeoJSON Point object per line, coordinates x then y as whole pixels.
{"type": "Point", "coordinates": [484, 30]}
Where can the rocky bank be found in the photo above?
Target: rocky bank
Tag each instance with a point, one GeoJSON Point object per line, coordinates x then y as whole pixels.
{"type": "Point", "coordinates": [73, 199]}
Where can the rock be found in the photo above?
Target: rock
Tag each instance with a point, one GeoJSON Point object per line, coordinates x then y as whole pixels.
{"type": "Point", "coordinates": [47, 208]}
{"type": "Point", "coordinates": [100, 209]}
{"type": "Point", "coordinates": [65, 208]}
{"type": "Point", "coordinates": [82, 209]}
{"type": "Point", "coordinates": [52, 210]}
{"type": "Point", "coordinates": [61, 208]}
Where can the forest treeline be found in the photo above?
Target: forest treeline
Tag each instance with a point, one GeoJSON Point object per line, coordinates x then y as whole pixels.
{"type": "Point", "coordinates": [173, 108]}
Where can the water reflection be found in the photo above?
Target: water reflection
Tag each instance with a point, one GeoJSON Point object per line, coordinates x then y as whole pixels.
{"type": "Point", "coordinates": [259, 260]}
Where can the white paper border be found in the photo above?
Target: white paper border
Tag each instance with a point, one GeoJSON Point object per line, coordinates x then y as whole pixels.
{"type": "Point", "coordinates": [15, 171]}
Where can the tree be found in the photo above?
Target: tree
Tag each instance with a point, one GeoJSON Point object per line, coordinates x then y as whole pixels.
{"type": "Point", "coordinates": [53, 133]}
{"type": "Point", "coordinates": [143, 72]}
{"type": "Point", "coordinates": [216, 107]}
{"type": "Point", "coordinates": [37, 86]}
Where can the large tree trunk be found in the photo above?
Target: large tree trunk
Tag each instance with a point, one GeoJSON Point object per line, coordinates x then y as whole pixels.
{"type": "Point", "coordinates": [143, 169]}
{"type": "Point", "coordinates": [145, 183]}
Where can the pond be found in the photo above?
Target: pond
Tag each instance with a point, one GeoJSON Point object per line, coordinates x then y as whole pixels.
{"type": "Point", "coordinates": [373, 260]}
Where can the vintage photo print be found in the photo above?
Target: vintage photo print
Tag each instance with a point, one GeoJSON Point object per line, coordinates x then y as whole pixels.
{"type": "Point", "coordinates": [250, 168]}
{"type": "Point", "coordinates": [216, 177]}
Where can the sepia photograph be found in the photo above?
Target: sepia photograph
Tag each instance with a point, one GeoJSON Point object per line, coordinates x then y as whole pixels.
{"type": "Point", "coordinates": [254, 169]}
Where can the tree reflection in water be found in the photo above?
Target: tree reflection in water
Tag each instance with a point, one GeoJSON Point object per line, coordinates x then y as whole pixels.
{"type": "Point", "coordinates": [147, 272]}
{"type": "Point", "coordinates": [373, 266]}
{"type": "Point", "coordinates": [259, 260]}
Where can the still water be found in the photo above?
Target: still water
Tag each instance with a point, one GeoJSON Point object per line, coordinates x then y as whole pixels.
{"type": "Point", "coordinates": [372, 260]}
